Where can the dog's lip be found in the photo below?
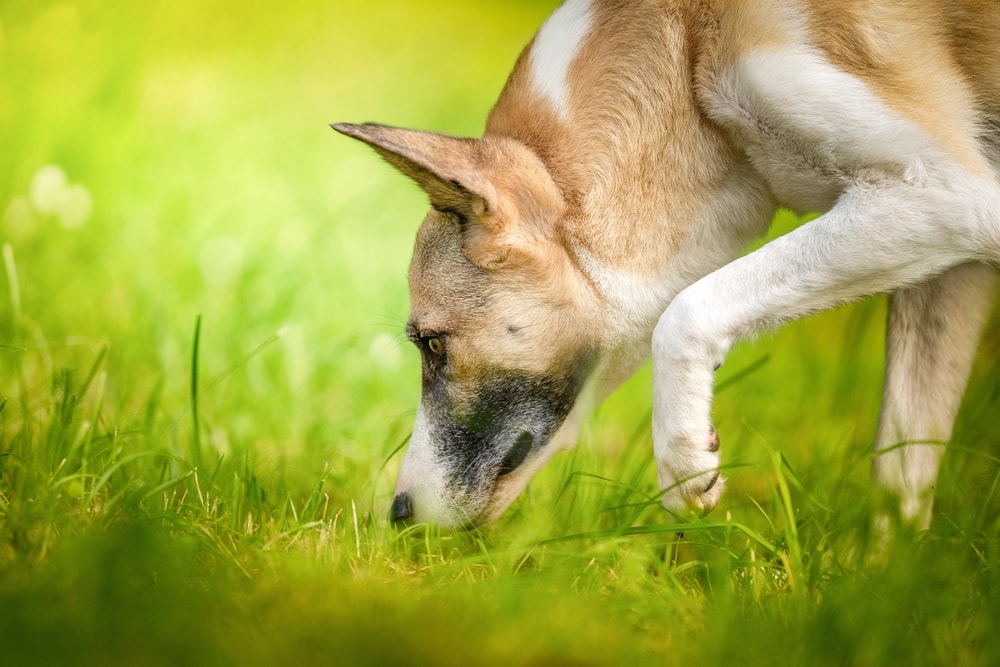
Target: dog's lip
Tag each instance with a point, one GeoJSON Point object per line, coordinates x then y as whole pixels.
{"type": "Point", "coordinates": [508, 487]}
{"type": "Point", "coordinates": [517, 454]}
{"type": "Point", "coordinates": [500, 500]}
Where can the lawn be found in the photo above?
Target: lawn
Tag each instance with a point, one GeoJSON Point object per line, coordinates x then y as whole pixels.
{"type": "Point", "coordinates": [205, 389]}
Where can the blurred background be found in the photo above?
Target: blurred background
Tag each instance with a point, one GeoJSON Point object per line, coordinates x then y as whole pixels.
{"type": "Point", "coordinates": [164, 160]}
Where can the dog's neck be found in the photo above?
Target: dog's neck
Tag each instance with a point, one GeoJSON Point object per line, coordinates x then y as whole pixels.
{"type": "Point", "coordinates": [607, 100]}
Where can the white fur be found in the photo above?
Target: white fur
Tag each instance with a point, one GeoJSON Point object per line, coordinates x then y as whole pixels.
{"type": "Point", "coordinates": [555, 48]}
{"type": "Point", "coordinates": [933, 333]}
{"type": "Point", "coordinates": [810, 128]}
{"type": "Point", "coordinates": [418, 476]}
{"type": "Point", "coordinates": [900, 213]}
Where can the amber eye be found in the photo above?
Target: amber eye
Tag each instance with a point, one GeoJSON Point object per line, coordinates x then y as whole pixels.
{"type": "Point", "coordinates": [435, 346]}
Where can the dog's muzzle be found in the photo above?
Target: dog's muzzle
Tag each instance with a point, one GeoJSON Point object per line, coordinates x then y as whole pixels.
{"type": "Point", "coordinates": [470, 455]}
{"type": "Point", "coordinates": [402, 509]}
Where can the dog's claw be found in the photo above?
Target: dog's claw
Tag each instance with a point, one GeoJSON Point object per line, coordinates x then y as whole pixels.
{"type": "Point", "coordinates": [715, 480]}
{"type": "Point", "coordinates": [713, 442]}
{"type": "Point", "coordinates": [701, 488]}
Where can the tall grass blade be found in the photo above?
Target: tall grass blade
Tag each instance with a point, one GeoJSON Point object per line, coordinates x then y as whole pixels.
{"type": "Point", "coordinates": [195, 421]}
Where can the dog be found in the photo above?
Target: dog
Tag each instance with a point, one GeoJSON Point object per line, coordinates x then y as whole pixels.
{"type": "Point", "coordinates": [637, 148]}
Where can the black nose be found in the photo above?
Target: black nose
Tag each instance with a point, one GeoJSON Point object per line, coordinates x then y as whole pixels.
{"type": "Point", "coordinates": [401, 509]}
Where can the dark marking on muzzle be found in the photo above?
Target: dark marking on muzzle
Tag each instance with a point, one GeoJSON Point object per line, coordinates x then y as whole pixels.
{"type": "Point", "coordinates": [517, 454]}
{"type": "Point", "coordinates": [489, 429]}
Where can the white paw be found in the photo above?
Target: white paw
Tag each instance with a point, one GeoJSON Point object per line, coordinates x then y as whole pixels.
{"type": "Point", "coordinates": [690, 476]}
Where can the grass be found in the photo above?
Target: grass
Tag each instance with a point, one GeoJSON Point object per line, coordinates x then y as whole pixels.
{"type": "Point", "coordinates": [204, 390]}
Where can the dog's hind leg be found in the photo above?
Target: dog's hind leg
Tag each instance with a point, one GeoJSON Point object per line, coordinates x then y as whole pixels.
{"type": "Point", "coordinates": [932, 333]}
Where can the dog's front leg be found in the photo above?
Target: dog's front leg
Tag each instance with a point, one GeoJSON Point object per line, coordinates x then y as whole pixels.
{"type": "Point", "coordinates": [877, 238]}
{"type": "Point", "coordinates": [685, 443]}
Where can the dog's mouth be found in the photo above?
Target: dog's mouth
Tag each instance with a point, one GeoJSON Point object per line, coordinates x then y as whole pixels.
{"type": "Point", "coordinates": [517, 454]}
{"type": "Point", "coordinates": [522, 461]}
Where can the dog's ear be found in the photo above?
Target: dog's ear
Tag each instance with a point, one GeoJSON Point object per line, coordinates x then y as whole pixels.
{"type": "Point", "coordinates": [445, 167]}
{"type": "Point", "coordinates": [501, 191]}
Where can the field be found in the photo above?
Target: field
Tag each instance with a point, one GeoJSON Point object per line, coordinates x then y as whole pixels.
{"type": "Point", "coordinates": [205, 389]}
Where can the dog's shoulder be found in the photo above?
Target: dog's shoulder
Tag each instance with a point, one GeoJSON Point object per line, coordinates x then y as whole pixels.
{"type": "Point", "coordinates": [822, 89]}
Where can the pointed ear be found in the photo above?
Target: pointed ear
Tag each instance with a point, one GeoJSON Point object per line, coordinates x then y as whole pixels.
{"type": "Point", "coordinates": [445, 167]}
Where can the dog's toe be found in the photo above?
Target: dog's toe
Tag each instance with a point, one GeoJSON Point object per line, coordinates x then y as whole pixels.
{"type": "Point", "coordinates": [710, 497]}
{"type": "Point", "coordinates": [697, 485]}
{"type": "Point", "coordinates": [713, 482]}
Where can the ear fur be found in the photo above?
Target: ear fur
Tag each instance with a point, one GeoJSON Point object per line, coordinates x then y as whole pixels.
{"type": "Point", "coordinates": [501, 190]}
{"type": "Point", "coordinates": [443, 166]}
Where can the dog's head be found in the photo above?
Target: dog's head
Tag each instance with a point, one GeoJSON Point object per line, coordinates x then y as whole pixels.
{"type": "Point", "coordinates": [503, 319]}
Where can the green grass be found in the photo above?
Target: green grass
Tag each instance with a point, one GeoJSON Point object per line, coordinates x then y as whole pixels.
{"type": "Point", "coordinates": [204, 389]}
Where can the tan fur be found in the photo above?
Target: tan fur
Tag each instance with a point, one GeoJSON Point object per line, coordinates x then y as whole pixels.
{"type": "Point", "coordinates": [595, 153]}
{"type": "Point", "coordinates": [918, 73]}
{"type": "Point", "coordinates": [926, 73]}
{"type": "Point", "coordinates": [513, 247]}
{"type": "Point", "coordinates": [581, 228]}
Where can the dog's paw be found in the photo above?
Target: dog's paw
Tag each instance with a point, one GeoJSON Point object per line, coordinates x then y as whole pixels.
{"type": "Point", "coordinates": [691, 479]}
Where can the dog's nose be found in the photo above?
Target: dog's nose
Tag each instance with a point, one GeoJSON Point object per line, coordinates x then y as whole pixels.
{"type": "Point", "coordinates": [401, 509]}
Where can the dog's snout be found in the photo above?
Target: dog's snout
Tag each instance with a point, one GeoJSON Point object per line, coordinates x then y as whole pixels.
{"type": "Point", "coordinates": [402, 508]}
{"type": "Point", "coordinates": [517, 453]}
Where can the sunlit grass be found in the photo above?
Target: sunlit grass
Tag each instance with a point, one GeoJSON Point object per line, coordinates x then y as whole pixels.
{"type": "Point", "coordinates": [204, 389]}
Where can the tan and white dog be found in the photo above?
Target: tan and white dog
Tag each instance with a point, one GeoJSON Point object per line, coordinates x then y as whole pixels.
{"type": "Point", "coordinates": [636, 149]}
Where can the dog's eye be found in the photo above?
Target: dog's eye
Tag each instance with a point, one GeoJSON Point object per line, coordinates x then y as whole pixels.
{"type": "Point", "coordinates": [436, 346]}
